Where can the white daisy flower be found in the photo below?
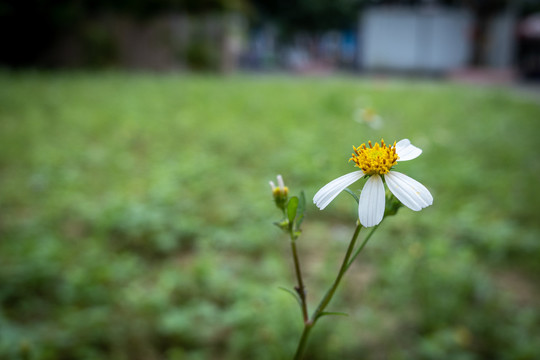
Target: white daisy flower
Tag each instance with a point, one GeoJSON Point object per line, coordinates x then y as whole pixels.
{"type": "Point", "coordinates": [376, 162]}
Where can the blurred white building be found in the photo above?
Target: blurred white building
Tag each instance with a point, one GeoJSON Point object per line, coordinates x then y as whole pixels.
{"type": "Point", "coordinates": [429, 39]}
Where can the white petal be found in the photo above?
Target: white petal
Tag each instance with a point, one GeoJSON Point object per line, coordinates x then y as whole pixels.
{"type": "Point", "coordinates": [280, 182]}
{"type": "Point", "coordinates": [371, 204]}
{"type": "Point", "coordinates": [329, 191]}
{"type": "Point", "coordinates": [410, 192]}
{"type": "Point", "coordinates": [406, 150]}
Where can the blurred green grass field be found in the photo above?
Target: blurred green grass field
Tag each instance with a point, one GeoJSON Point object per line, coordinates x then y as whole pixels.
{"type": "Point", "coordinates": [136, 218]}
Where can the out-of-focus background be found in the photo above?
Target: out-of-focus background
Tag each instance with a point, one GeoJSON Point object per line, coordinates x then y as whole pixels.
{"type": "Point", "coordinates": [137, 139]}
{"type": "Point", "coordinates": [455, 38]}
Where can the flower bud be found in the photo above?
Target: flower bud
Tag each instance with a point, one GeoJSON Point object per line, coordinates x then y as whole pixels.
{"type": "Point", "coordinates": [280, 193]}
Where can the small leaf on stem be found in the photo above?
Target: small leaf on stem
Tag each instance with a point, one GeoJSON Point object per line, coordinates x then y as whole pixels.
{"type": "Point", "coordinates": [295, 295]}
{"type": "Point", "coordinates": [301, 210]}
{"type": "Point", "coordinates": [292, 207]}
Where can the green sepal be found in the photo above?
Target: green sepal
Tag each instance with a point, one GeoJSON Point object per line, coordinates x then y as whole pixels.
{"type": "Point", "coordinates": [392, 204]}
{"type": "Point", "coordinates": [353, 195]}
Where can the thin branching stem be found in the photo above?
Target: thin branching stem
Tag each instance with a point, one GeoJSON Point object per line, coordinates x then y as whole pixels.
{"type": "Point", "coordinates": [362, 246]}
{"type": "Point", "coordinates": [300, 289]}
{"type": "Point", "coordinates": [308, 325]}
{"type": "Point", "coordinates": [330, 293]}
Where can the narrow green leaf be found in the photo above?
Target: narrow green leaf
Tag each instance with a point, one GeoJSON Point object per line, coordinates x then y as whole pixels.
{"type": "Point", "coordinates": [292, 207]}
{"type": "Point", "coordinates": [326, 313]}
{"type": "Point", "coordinates": [353, 195]}
{"type": "Point", "coordinates": [301, 210]}
{"type": "Point", "coordinates": [295, 295]}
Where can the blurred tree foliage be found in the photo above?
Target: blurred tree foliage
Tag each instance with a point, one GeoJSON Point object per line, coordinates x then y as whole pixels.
{"type": "Point", "coordinates": [310, 15]}
{"type": "Point", "coordinates": [29, 28]}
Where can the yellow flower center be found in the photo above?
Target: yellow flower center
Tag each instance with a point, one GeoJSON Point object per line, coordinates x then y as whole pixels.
{"type": "Point", "coordinates": [284, 191]}
{"type": "Point", "coordinates": [377, 159]}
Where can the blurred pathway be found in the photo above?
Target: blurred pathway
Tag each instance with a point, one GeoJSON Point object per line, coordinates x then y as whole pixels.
{"type": "Point", "coordinates": [497, 77]}
{"type": "Point", "coordinates": [529, 90]}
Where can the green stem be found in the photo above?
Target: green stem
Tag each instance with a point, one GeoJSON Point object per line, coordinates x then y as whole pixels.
{"type": "Point", "coordinates": [303, 341]}
{"type": "Point", "coordinates": [330, 293]}
{"type": "Point", "coordinates": [300, 289]}
{"type": "Point", "coordinates": [362, 245]}
{"type": "Point", "coordinates": [308, 325]}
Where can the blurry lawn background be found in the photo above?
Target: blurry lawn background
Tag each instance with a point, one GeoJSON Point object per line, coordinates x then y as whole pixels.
{"type": "Point", "coordinates": [136, 219]}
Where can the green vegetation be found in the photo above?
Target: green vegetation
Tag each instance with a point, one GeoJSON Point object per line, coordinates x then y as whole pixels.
{"type": "Point", "coordinates": [136, 219]}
